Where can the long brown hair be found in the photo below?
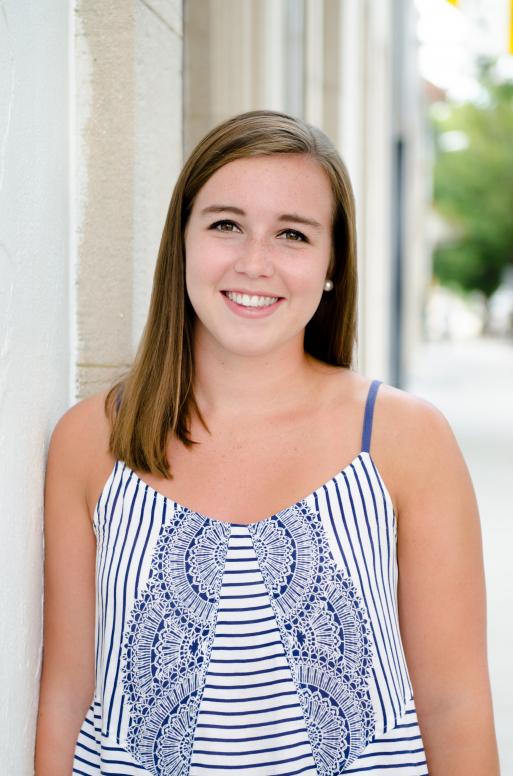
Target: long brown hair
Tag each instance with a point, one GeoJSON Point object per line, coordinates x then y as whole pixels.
{"type": "Point", "coordinates": [155, 397]}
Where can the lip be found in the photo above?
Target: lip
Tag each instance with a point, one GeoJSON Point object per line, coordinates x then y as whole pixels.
{"type": "Point", "coordinates": [251, 312]}
{"type": "Point", "coordinates": [249, 293]}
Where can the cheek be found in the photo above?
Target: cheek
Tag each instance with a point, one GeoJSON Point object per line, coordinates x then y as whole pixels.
{"type": "Point", "coordinates": [195, 257]}
{"type": "Point", "coordinates": [194, 270]}
{"type": "Point", "coordinates": [308, 277]}
{"type": "Point", "coordinates": [204, 262]}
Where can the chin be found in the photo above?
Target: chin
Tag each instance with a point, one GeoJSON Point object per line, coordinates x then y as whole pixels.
{"type": "Point", "coordinates": [248, 351]}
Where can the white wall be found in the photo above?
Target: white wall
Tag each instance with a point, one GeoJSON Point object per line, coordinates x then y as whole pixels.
{"type": "Point", "coordinates": [34, 335]}
{"type": "Point", "coordinates": [90, 147]}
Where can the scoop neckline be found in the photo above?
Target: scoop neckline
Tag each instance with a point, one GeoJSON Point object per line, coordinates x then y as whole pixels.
{"type": "Point", "coordinates": [253, 523]}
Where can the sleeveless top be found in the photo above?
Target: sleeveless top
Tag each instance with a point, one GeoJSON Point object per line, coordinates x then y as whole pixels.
{"type": "Point", "coordinates": [271, 648]}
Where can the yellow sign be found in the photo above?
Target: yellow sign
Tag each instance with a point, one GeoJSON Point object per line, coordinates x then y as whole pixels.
{"type": "Point", "coordinates": [453, 2]}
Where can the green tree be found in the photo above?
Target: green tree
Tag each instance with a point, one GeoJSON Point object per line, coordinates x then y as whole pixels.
{"type": "Point", "coordinates": [473, 185]}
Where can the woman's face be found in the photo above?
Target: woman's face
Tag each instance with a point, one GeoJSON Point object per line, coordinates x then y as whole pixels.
{"type": "Point", "coordinates": [246, 234]}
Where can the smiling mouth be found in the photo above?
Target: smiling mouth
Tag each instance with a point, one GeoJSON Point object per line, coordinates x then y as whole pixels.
{"type": "Point", "coordinates": [247, 301]}
{"type": "Point", "coordinates": [251, 301]}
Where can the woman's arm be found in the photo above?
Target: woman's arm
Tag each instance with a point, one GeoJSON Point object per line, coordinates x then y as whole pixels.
{"type": "Point", "coordinates": [442, 602]}
{"type": "Point", "coordinates": [67, 677]}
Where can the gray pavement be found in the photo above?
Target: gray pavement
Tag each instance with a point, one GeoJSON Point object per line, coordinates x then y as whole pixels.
{"type": "Point", "coordinates": [471, 382]}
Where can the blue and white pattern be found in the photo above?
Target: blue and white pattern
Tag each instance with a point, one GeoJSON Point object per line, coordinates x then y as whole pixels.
{"type": "Point", "coordinates": [271, 648]}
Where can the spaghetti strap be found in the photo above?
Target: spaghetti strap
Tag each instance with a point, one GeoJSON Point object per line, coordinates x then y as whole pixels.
{"type": "Point", "coordinates": [369, 411]}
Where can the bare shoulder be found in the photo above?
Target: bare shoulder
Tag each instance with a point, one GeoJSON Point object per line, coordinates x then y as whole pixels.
{"type": "Point", "coordinates": [81, 428]}
{"type": "Point", "coordinates": [414, 444]}
{"type": "Point", "coordinates": [78, 451]}
{"type": "Point", "coordinates": [411, 415]}
{"type": "Point", "coordinates": [402, 421]}
{"type": "Point", "coordinates": [411, 438]}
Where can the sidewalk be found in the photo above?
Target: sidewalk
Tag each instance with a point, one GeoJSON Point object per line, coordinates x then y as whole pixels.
{"type": "Point", "coordinates": [472, 384]}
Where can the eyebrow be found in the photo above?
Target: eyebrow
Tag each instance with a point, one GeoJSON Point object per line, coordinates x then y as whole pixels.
{"type": "Point", "coordinates": [284, 217]}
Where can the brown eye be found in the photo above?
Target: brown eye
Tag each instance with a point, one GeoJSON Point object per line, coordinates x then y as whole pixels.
{"type": "Point", "coordinates": [301, 236]}
{"type": "Point", "coordinates": [222, 223]}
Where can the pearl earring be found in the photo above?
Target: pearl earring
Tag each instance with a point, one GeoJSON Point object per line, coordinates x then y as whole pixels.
{"type": "Point", "coordinates": [328, 285]}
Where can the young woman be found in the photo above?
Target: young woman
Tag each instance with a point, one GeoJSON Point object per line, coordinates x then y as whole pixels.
{"type": "Point", "coordinates": [258, 560]}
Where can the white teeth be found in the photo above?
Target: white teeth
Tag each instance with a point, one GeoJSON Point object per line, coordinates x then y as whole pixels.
{"type": "Point", "coordinates": [252, 301]}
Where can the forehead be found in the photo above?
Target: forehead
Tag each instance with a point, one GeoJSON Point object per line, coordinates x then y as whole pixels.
{"type": "Point", "coordinates": [284, 182]}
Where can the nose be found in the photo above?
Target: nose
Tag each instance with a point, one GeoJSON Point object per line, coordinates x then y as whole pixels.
{"type": "Point", "coordinates": [255, 258]}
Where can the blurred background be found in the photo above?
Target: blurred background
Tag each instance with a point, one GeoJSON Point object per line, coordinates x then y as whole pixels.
{"type": "Point", "coordinates": [100, 103]}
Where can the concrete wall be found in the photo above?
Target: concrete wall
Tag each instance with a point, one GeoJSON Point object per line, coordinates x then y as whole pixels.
{"type": "Point", "coordinates": [35, 342]}
{"type": "Point", "coordinates": [128, 146]}
{"type": "Point", "coordinates": [90, 147]}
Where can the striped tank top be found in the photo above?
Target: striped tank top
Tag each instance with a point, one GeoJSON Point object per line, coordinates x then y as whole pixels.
{"type": "Point", "coordinates": [266, 649]}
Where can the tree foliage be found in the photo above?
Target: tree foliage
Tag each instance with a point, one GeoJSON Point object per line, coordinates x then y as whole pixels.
{"type": "Point", "coordinates": [473, 186]}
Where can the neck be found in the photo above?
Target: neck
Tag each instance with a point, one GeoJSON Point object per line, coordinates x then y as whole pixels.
{"type": "Point", "coordinates": [230, 385]}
